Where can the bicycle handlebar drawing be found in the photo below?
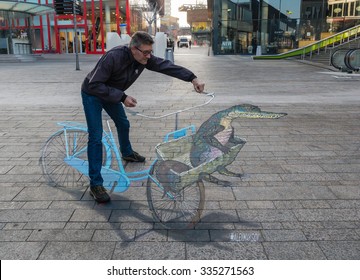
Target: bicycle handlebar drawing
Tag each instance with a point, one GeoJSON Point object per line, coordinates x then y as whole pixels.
{"type": "Point", "coordinates": [64, 163]}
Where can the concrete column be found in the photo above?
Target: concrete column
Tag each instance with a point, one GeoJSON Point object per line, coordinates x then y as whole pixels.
{"type": "Point", "coordinates": [107, 17]}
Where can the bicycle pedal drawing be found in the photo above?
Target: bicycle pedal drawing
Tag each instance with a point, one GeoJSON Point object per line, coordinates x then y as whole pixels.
{"type": "Point", "coordinates": [175, 189]}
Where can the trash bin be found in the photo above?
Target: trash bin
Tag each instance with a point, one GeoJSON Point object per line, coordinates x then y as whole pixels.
{"type": "Point", "coordinates": [271, 49]}
{"type": "Point", "coordinates": [169, 54]}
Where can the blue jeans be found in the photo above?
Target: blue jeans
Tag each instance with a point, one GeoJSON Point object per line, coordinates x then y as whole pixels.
{"type": "Point", "coordinates": [93, 112]}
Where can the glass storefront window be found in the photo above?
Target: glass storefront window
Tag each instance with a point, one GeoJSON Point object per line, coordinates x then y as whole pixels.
{"type": "Point", "coordinates": [102, 17]}
{"type": "Point", "coordinates": [94, 16]}
{"type": "Point", "coordinates": [270, 26]}
{"type": "Point", "coordinates": [238, 26]}
{"type": "Point", "coordinates": [357, 8]}
{"type": "Point", "coordinates": [36, 39]}
{"type": "Point", "coordinates": [245, 25]}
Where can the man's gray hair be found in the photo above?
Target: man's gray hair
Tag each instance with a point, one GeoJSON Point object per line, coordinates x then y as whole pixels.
{"type": "Point", "coordinates": [141, 38]}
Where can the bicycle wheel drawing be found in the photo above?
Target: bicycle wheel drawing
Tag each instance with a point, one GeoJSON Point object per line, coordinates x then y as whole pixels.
{"type": "Point", "coordinates": [64, 159]}
{"type": "Point", "coordinates": [171, 206]}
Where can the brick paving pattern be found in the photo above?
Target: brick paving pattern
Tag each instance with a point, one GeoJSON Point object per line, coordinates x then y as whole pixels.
{"type": "Point", "coordinates": [300, 198]}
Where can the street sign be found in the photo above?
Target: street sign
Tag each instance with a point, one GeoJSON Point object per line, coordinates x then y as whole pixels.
{"type": "Point", "coordinates": [66, 7]}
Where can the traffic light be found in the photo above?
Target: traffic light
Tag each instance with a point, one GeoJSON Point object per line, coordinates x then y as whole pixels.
{"type": "Point", "coordinates": [78, 10]}
{"type": "Point", "coordinates": [66, 7]}
{"type": "Point", "coordinates": [63, 7]}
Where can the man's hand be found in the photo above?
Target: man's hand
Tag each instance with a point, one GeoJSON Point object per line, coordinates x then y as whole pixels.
{"type": "Point", "coordinates": [198, 85]}
{"type": "Point", "coordinates": [130, 101]}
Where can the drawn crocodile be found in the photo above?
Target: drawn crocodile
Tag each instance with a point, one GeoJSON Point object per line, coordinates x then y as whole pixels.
{"type": "Point", "coordinates": [216, 136]}
{"type": "Point", "coordinates": [213, 147]}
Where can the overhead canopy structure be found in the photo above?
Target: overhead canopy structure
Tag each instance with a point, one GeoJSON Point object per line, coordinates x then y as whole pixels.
{"type": "Point", "coordinates": [25, 7]}
{"type": "Point", "coordinates": [12, 40]}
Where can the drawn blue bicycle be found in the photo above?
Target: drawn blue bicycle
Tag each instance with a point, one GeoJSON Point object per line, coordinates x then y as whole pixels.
{"type": "Point", "coordinates": [175, 191]}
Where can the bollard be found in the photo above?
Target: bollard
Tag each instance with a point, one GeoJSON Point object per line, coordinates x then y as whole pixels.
{"type": "Point", "coordinates": [169, 54]}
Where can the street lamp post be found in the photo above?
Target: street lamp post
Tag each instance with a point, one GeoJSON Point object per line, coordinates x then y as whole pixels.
{"type": "Point", "coordinates": [279, 11]}
{"type": "Point", "coordinates": [258, 51]}
{"type": "Point", "coordinates": [75, 37]}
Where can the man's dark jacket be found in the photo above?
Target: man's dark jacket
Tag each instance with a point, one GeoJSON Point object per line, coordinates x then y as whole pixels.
{"type": "Point", "coordinates": [117, 70]}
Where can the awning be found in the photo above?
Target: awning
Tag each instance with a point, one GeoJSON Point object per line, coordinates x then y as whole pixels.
{"type": "Point", "coordinates": [25, 7]}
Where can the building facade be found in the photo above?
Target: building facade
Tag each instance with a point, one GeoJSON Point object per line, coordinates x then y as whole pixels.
{"type": "Point", "coordinates": [229, 26]}
{"type": "Point", "coordinates": [275, 26]}
{"type": "Point", "coordinates": [343, 14]}
{"type": "Point", "coordinates": [52, 33]}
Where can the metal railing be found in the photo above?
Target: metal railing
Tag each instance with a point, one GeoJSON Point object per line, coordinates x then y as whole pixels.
{"type": "Point", "coordinates": [343, 37]}
{"type": "Point", "coordinates": [22, 48]}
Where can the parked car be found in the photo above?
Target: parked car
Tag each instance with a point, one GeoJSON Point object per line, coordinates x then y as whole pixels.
{"type": "Point", "coordinates": [183, 42]}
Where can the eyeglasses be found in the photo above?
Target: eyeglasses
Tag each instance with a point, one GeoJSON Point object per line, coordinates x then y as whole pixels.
{"type": "Point", "coordinates": [144, 52]}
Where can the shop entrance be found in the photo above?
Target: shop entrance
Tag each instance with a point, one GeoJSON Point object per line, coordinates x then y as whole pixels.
{"type": "Point", "coordinates": [67, 40]}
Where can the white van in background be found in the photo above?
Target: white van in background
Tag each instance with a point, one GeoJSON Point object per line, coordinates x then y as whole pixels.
{"type": "Point", "coordinates": [183, 42]}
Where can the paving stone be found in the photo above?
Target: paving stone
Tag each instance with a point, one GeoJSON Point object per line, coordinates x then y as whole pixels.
{"type": "Point", "coordinates": [293, 251]}
{"type": "Point", "coordinates": [102, 225]}
{"type": "Point", "coordinates": [8, 194]}
{"type": "Point", "coordinates": [151, 235]}
{"type": "Point", "coordinates": [305, 168]}
{"type": "Point", "coordinates": [283, 193]}
{"type": "Point", "coordinates": [45, 225]}
{"type": "Point", "coordinates": [288, 204]}
{"type": "Point", "coordinates": [131, 216]}
{"type": "Point", "coordinates": [345, 168]}
{"type": "Point", "coordinates": [21, 250]}
{"type": "Point", "coordinates": [331, 234]}
{"type": "Point", "coordinates": [214, 193]}
{"type": "Point", "coordinates": [36, 205]}
{"type": "Point", "coordinates": [81, 215]}
{"type": "Point", "coordinates": [114, 235]}
{"type": "Point", "coordinates": [299, 198]}
{"type": "Point", "coordinates": [46, 193]}
{"type": "Point", "coordinates": [208, 226]}
{"type": "Point", "coordinates": [35, 215]}
{"type": "Point", "coordinates": [61, 235]}
{"type": "Point", "coordinates": [274, 225]}
{"type": "Point", "coordinates": [341, 224]}
{"type": "Point", "coordinates": [149, 251]}
{"type": "Point", "coordinates": [189, 235]}
{"type": "Point", "coordinates": [303, 225]}
{"type": "Point", "coordinates": [225, 251]}
{"type": "Point", "coordinates": [114, 205]}
{"type": "Point", "coordinates": [268, 215]}
{"type": "Point", "coordinates": [72, 225]}
{"type": "Point", "coordinates": [72, 204]}
{"type": "Point", "coordinates": [228, 205]}
{"type": "Point", "coordinates": [223, 216]}
{"type": "Point", "coordinates": [235, 236]}
{"type": "Point", "coordinates": [11, 204]}
{"type": "Point", "coordinates": [14, 225]}
{"type": "Point", "coordinates": [283, 235]}
{"type": "Point", "coordinates": [14, 235]}
{"type": "Point", "coordinates": [311, 177]}
{"type": "Point", "coordinates": [327, 214]}
{"type": "Point", "coordinates": [260, 204]}
{"type": "Point", "coordinates": [315, 204]}
{"type": "Point", "coordinates": [137, 225]}
{"type": "Point", "coordinates": [346, 192]}
{"type": "Point", "coordinates": [341, 250]}
{"type": "Point", "coordinates": [77, 251]}
{"type": "Point", "coordinates": [5, 169]}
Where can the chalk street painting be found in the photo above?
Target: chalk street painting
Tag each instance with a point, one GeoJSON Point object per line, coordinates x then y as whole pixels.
{"type": "Point", "coordinates": [211, 149]}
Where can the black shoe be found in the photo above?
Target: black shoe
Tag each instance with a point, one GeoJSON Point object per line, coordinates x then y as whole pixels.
{"type": "Point", "coordinates": [135, 157]}
{"type": "Point", "coordinates": [100, 194]}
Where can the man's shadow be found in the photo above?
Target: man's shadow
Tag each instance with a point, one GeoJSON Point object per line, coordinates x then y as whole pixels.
{"type": "Point", "coordinates": [121, 210]}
